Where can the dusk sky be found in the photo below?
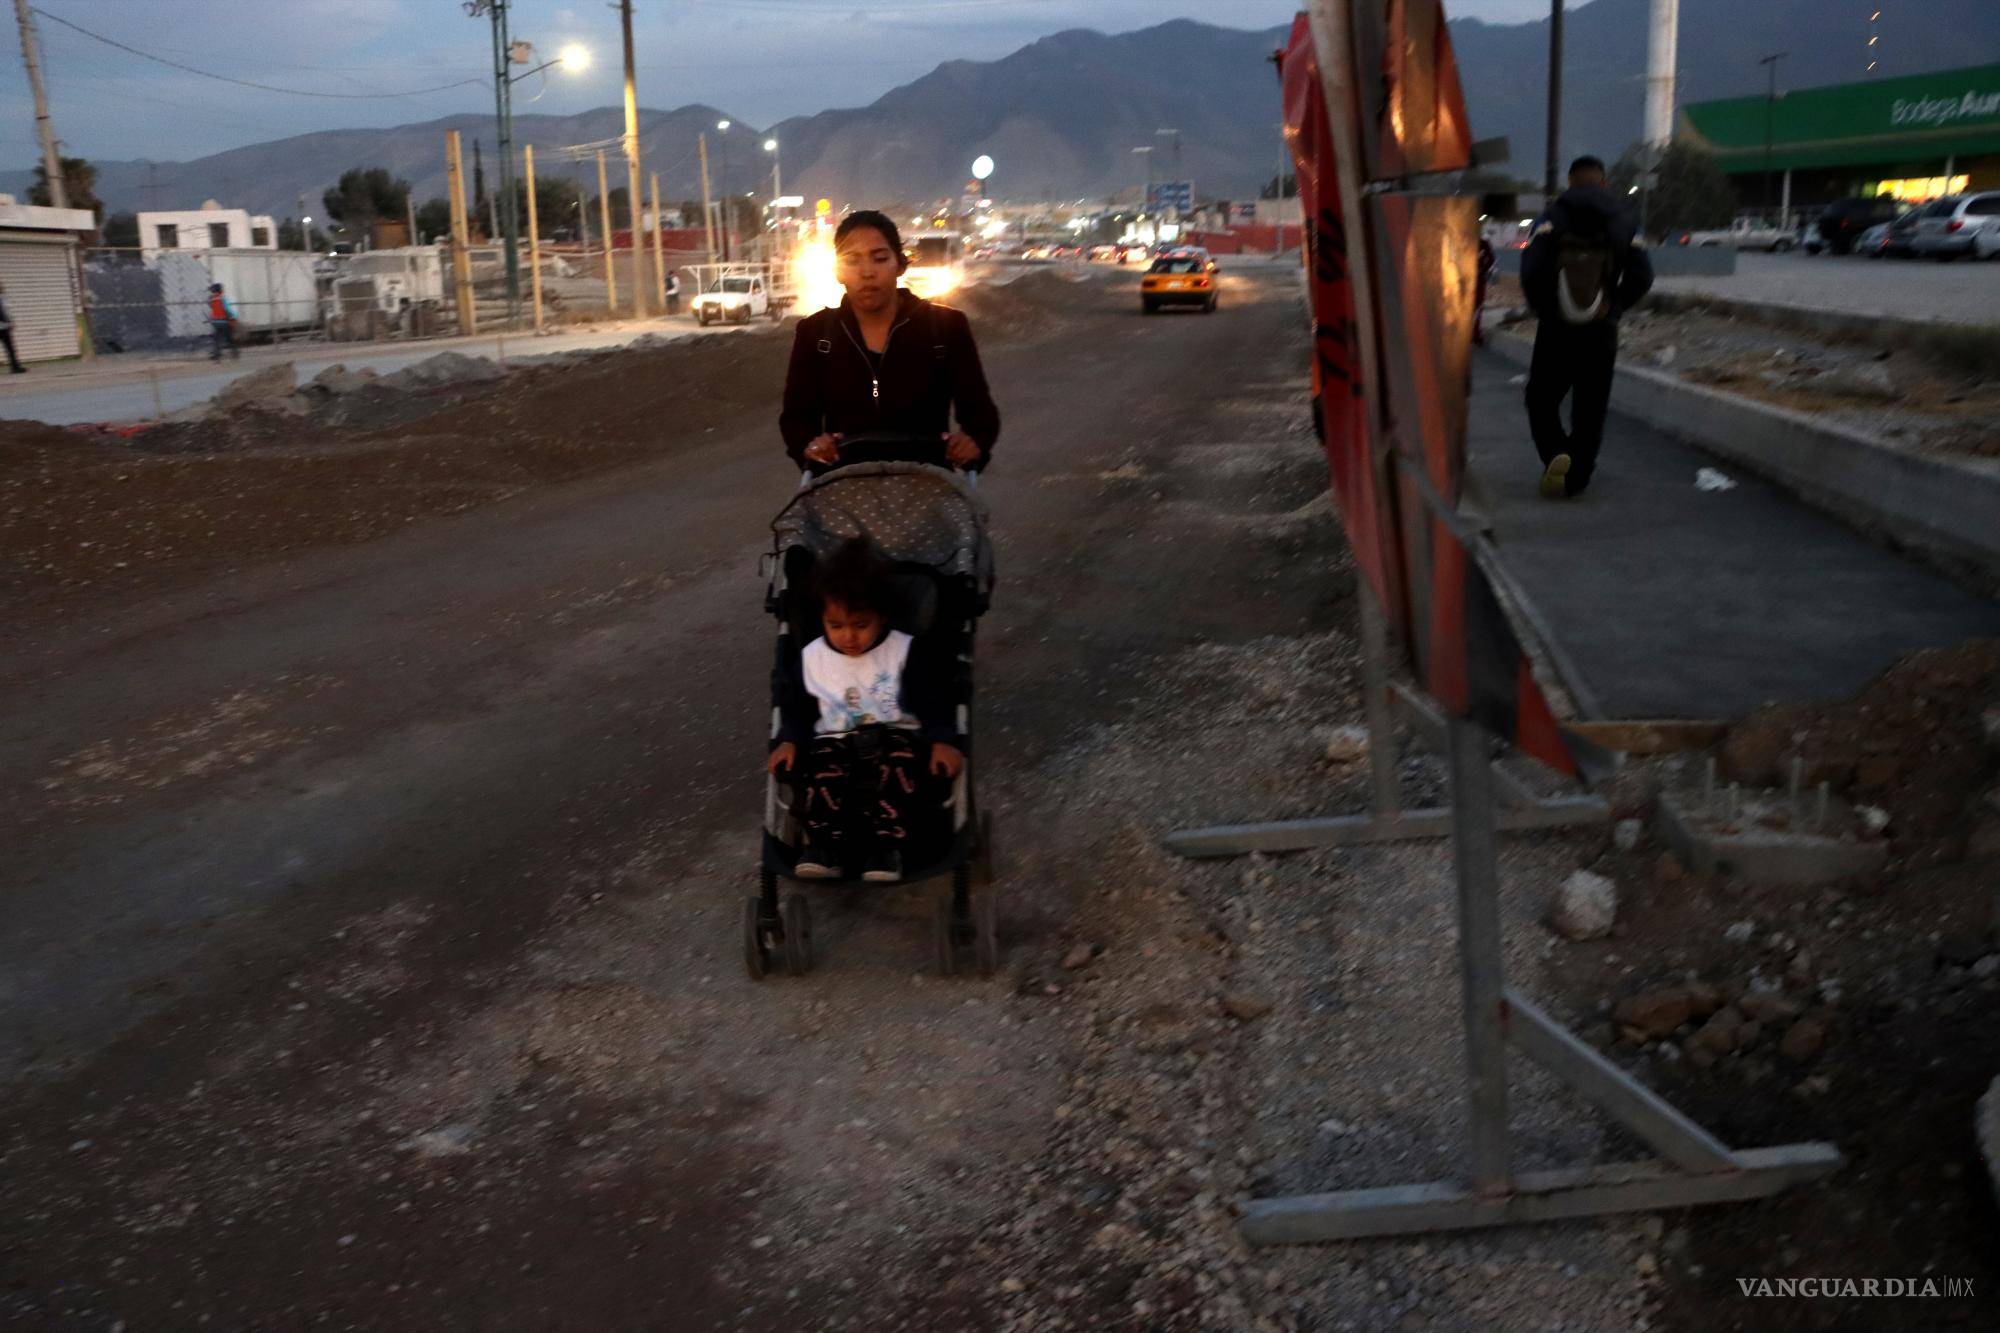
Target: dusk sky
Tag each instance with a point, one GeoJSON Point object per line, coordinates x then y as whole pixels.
{"type": "Point", "coordinates": [762, 60]}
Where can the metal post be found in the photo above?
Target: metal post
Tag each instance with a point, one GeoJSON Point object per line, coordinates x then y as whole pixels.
{"type": "Point", "coordinates": [1479, 952]}
{"type": "Point", "coordinates": [534, 238]}
{"type": "Point", "coordinates": [610, 242]}
{"type": "Point", "coordinates": [707, 203]}
{"type": "Point", "coordinates": [1555, 99]}
{"type": "Point", "coordinates": [659, 248]}
{"type": "Point", "coordinates": [409, 219]}
{"type": "Point", "coordinates": [1770, 63]}
{"type": "Point", "coordinates": [44, 129]}
{"type": "Point", "coordinates": [461, 262]}
{"type": "Point", "coordinates": [633, 199]}
{"type": "Point", "coordinates": [503, 109]}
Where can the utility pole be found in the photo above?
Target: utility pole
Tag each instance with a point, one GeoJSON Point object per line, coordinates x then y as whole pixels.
{"type": "Point", "coordinates": [461, 262]}
{"type": "Point", "coordinates": [633, 199]}
{"type": "Point", "coordinates": [659, 248]}
{"type": "Point", "coordinates": [505, 217]}
{"type": "Point", "coordinates": [534, 239]}
{"type": "Point", "coordinates": [51, 163]}
{"type": "Point", "coordinates": [1770, 63]}
{"type": "Point", "coordinates": [707, 203]}
{"type": "Point", "coordinates": [1555, 100]}
{"type": "Point", "coordinates": [610, 241]}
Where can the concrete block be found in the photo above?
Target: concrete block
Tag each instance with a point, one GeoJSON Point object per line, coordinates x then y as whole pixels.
{"type": "Point", "coordinates": [1750, 848]}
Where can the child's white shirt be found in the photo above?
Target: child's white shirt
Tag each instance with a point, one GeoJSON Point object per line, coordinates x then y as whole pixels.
{"type": "Point", "coordinates": [858, 691]}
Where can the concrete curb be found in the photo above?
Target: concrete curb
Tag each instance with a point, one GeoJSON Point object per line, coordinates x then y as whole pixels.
{"type": "Point", "coordinates": [1942, 511]}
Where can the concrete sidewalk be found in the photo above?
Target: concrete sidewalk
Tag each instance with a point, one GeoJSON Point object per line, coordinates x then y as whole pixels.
{"type": "Point", "coordinates": [1665, 601]}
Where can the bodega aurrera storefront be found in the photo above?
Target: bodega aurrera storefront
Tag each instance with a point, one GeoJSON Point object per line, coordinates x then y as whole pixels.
{"type": "Point", "coordinates": [1916, 138]}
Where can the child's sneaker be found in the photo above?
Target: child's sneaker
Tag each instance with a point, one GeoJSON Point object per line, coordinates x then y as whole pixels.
{"type": "Point", "coordinates": [884, 867]}
{"type": "Point", "coordinates": [810, 866]}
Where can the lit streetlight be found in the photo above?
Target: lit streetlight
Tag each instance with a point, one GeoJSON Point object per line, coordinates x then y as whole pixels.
{"type": "Point", "coordinates": [506, 53]}
{"type": "Point", "coordinates": [777, 174]}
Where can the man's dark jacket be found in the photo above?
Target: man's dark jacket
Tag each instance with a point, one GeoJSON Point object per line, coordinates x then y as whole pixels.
{"type": "Point", "coordinates": [1590, 213]}
{"type": "Point", "coordinates": [929, 366]}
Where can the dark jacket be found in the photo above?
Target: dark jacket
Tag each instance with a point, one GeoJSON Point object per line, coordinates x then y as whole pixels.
{"type": "Point", "coordinates": [1591, 213]}
{"type": "Point", "coordinates": [927, 692]}
{"type": "Point", "coordinates": [929, 367]}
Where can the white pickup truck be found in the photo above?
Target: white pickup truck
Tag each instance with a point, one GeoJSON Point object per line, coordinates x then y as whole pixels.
{"type": "Point", "coordinates": [737, 298]}
{"type": "Point", "coordinates": [1747, 234]}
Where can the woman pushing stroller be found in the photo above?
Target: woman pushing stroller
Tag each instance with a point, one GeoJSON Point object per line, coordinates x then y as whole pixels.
{"type": "Point", "coordinates": [884, 361]}
{"type": "Point", "coordinates": [852, 719]}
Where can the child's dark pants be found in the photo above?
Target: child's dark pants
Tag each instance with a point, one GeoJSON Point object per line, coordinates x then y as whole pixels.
{"type": "Point", "coordinates": [862, 784]}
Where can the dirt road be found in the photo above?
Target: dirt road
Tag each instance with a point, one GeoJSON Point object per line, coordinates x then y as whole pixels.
{"type": "Point", "coordinates": [372, 958]}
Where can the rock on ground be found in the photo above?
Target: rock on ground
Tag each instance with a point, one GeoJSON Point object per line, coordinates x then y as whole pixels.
{"type": "Point", "coordinates": [445, 368]}
{"type": "Point", "coordinates": [1585, 907]}
{"type": "Point", "coordinates": [265, 389]}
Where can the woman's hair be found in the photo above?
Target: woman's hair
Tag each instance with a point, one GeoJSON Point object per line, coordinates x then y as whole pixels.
{"type": "Point", "coordinates": [857, 576]}
{"type": "Point", "coordinates": [877, 221]}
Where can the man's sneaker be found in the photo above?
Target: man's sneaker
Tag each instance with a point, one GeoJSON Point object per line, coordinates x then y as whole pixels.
{"type": "Point", "coordinates": [1555, 477]}
{"type": "Point", "coordinates": [884, 867]}
{"type": "Point", "coordinates": [811, 867]}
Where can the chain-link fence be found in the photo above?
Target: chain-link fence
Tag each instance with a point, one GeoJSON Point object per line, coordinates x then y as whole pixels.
{"type": "Point", "coordinates": [156, 300]}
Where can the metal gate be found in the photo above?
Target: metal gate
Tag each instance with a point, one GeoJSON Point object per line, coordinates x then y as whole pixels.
{"type": "Point", "coordinates": [40, 295]}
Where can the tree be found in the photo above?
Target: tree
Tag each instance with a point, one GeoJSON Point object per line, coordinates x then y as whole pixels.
{"type": "Point", "coordinates": [79, 185]}
{"type": "Point", "coordinates": [363, 195]}
{"type": "Point", "coordinates": [291, 236]}
{"type": "Point", "coordinates": [1288, 184]}
{"type": "Point", "coordinates": [1689, 189]}
{"type": "Point", "coordinates": [121, 231]}
{"type": "Point", "coordinates": [433, 222]}
{"type": "Point", "coordinates": [555, 201]}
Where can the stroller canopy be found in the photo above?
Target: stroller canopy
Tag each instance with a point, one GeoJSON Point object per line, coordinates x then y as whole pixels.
{"type": "Point", "coordinates": [914, 513]}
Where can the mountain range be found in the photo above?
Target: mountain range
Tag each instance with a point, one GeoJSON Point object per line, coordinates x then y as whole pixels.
{"type": "Point", "coordinates": [1061, 115]}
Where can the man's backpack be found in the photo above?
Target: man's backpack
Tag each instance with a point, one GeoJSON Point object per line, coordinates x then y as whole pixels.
{"type": "Point", "coordinates": [1583, 279]}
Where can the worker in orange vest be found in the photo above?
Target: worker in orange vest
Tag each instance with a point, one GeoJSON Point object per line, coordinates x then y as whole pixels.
{"type": "Point", "coordinates": [222, 322]}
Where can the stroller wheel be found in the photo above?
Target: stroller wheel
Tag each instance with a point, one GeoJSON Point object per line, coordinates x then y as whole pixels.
{"type": "Point", "coordinates": [798, 935]}
{"type": "Point", "coordinates": [756, 957]}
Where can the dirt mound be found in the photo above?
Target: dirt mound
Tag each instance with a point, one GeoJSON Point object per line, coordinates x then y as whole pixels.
{"type": "Point", "coordinates": [1035, 302]}
{"type": "Point", "coordinates": [1912, 743]}
{"type": "Point", "coordinates": [86, 513]}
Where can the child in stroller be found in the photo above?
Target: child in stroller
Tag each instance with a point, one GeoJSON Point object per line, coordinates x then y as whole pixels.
{"type": "Point", "coordinates": [863, 702]}
{"type": "Point", "coordinates": [884, 560]}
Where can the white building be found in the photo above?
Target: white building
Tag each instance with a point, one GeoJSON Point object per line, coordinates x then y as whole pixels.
{"type": "Point", "coordinates": [210, 227]}
{"type": "Point", "coordinates": [38, 265]}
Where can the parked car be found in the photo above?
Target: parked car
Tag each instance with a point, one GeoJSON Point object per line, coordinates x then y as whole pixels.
{"type": "Point", "coordinates": [1959, 225]}
{"type": "Point", "coordinates": [738, 298]}
{"type": "Point", "coordinates": [1841, 225]}
{"type": "Point", "coordinates": [1891, 239]}
{"type": "Point", "coordinates": [1745, 233]}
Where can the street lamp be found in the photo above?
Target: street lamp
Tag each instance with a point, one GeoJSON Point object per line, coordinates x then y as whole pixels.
{"type": "Point", "coordinates": [777, 175]}
{"type": "Point", "coordinates": [726, 203]}
{"type": "Point", "coordinates": [505, 53]}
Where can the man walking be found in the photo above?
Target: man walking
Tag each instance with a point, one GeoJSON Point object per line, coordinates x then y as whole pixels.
{"type": "Point", "coordinates": [222, 323]}
{"type": "Point", "coordinates": [1580, 272]}
{"type": "Point", "coordinates": [7, 335]}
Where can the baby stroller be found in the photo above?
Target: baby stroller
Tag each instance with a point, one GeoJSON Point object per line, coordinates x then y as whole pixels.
{"type": "Point", "coordinates": [930, 523]}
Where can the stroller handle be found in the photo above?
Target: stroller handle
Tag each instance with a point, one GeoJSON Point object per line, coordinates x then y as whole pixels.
{"type": "Point", "coordinates": [886, 447]}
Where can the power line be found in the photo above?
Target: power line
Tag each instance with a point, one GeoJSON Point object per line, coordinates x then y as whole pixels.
{"type": "Point", "coordinates": [245, 83]}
